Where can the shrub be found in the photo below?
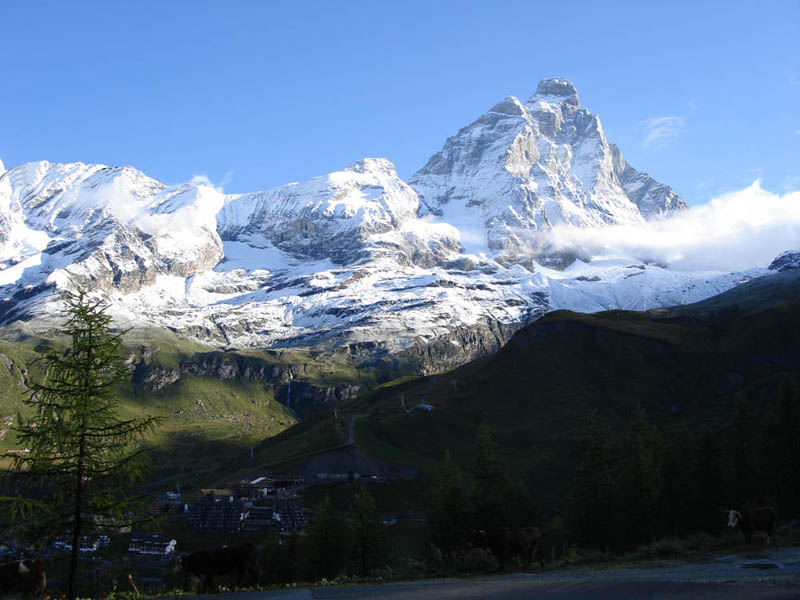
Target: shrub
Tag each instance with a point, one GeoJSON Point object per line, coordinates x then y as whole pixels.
{"type": "Point", "coordinates": [477, 560]}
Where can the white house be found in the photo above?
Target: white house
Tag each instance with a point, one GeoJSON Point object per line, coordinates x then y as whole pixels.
{"type": "Point", "coordinates": [151, 544]}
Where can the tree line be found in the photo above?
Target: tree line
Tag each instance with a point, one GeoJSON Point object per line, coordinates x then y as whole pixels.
{"type": "Point", "coordinates": [684, 482]}
{"type": "Point", "coordinates": [650, 485]}
{"type": "Point", "coordinates": [354, 543]}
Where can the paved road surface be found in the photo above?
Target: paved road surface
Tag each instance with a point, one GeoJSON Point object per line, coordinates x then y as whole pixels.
{"type": "Point", "coordinates": [769, 575]}
{"type": "Point", "coordinates": [517, 588]}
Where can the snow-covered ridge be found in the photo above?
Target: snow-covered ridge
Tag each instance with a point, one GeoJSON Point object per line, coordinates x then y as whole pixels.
{"type": "Point", "coordinates": [356, 257]}
{"type": "Point", "coordinates": [325, 217]}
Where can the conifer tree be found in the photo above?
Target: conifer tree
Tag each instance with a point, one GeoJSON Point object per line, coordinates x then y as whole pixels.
{"type": "Point", "coordinates": [741, 452]}
{"type": "Point", "coordinates": [644, 481]}
{"type": "Point", "coordinates": [83, 457]}
{"type": "Point", "coordinates": [448, 516]}
{"type": "Point", "coordinates": [707, 484]}
{"type": "Point", "coordinates": [491, 492]}
{"type": "Point", "coordinates": [593, 486]}
{"type": "Point", "coordinates": [677, 498]}
{"type": "Point", "coordinates": [369, 534]}
{"type": "Point", "coordinates": [289, 557]}
{"type": "Point", "coordinates": [327, 543]}
{"type": "Point", "coordinates": [782, 445]}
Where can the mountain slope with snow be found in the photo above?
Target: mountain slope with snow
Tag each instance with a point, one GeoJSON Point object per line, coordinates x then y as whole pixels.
{"type": "Point", "coordinates": [446, 266]}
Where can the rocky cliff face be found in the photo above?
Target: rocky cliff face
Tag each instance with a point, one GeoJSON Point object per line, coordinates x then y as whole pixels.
{"type": "Point", "coordinates": [294, 385]}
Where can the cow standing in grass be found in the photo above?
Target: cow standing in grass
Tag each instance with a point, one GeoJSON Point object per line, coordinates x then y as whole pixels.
{"type": "Point", "coordinates": [25, 577]}
{"type": "Point", "coordinates": [241, 560]}
{"type": "Point", "coordinates": [750, 520]}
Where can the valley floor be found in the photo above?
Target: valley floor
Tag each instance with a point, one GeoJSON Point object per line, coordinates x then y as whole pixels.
{"type": "Point", "coordinates": [760, 575]}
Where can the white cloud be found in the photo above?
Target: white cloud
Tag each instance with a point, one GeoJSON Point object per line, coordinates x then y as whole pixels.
{"type": "Point", "coordinates": [203, 179]}
{"type": "Point", "coordinates": [226, 179]}
{"type": "Point", "coordinates": [737, 230]}
{"type": "Point", "coordinates": [791, 182]}
{"type": "Point", "coordinates": [660, 131]}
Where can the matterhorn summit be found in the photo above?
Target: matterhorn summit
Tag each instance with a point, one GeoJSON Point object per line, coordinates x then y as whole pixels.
{"type": "Point", "coordinates": [557, 90]}
{"type": "Point", "coordinates": [524, 168]}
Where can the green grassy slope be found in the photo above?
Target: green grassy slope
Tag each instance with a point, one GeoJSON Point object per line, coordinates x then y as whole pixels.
{"type": "Point", "coordinates": [214, 405]}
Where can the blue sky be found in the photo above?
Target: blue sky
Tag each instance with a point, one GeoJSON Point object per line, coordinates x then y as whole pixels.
{"type": "Point", "coordinates": [704, 96]}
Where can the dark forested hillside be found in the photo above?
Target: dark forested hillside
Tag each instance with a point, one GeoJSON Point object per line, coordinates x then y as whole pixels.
{"type": "Point", "coordinates": [694, 370]}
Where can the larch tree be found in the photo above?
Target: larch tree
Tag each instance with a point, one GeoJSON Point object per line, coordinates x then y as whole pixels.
{"type": "Point", "coordinates": [82, 457]}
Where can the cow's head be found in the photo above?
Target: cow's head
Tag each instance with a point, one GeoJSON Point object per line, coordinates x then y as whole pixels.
{"type": "Point", "coordinates": [734, 516]}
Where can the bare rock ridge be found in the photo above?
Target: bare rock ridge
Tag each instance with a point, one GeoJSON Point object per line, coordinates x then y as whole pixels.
{"type": "Point", "coordinates": [428, 273]}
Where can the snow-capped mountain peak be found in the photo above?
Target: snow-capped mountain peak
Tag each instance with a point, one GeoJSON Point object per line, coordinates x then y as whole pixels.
{"type": "Point", "coordinates": [325, 217]}
{"type": "Point", "coordinates": [522, 169]}
{"type": "Point", "coordinates": [446, 265]}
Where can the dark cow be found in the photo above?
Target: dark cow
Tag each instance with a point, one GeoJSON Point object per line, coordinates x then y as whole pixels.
{"type": "Point", "coordinates": [750, 520]}
{"type": "Point", "coordinates": [241, 560]}
{"type": "Point", "coordinates": [508, 542]}
{"type": "Point", "coordinates": [25, 577]}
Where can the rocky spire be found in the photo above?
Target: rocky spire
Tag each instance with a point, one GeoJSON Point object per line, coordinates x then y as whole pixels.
{"type": "Point", "coordinates": [557, 89]}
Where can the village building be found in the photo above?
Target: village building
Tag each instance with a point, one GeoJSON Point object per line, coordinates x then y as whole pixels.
{"type": "Point", "coordinates": [292, 516]}
{"type": "Point", "coordinates": [89, 545]}
{"type": "Point", "coordinates": [217, 512]}
{"type": "Point", "coordinates": [148, 544]}
{"type": "Point", "coordinates": [264, 486]}
{"type": "Point", "coordinates": [260, 517]}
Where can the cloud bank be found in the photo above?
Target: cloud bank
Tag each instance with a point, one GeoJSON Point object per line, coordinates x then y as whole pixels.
{"type": "Point", "coordinates": [734, 231]}
{"type": "Point", "coordinates": [203, 179]}
{"type": "Point", "coordinates": [660, 131]}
